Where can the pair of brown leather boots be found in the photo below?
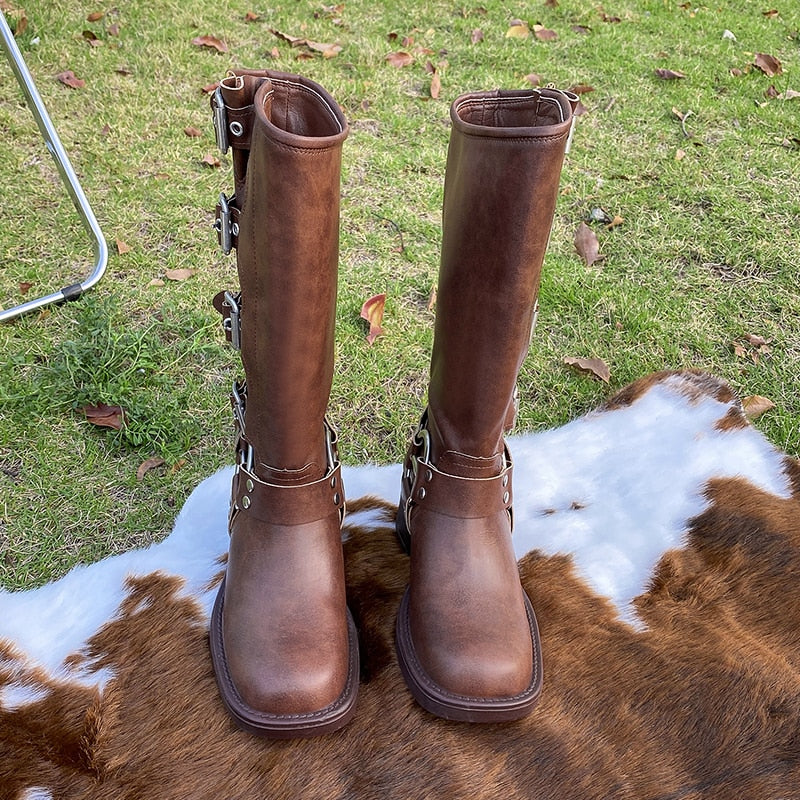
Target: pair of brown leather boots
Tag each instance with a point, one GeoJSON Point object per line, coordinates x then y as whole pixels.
{"type": "Point", "coordinates": [283, 643]}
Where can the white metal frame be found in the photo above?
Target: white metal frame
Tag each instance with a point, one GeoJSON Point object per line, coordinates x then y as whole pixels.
{"type": "Point", "coordinates": [68, 176]}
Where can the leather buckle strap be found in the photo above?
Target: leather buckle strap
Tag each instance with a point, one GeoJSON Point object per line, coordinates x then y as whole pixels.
{"type": "Point", "coordinates": [453, 495]}
{"type": "Point", "coordinates": [282, 504]}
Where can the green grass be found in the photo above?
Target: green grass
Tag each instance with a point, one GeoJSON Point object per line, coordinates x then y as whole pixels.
{"type": "Point", "coordinates": [707, 253]}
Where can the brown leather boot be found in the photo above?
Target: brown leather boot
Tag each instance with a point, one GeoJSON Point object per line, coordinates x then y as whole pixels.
{"type": "Point", "coordinates": [283, 643]}
{"type": "Point", "coordinates": [467, 638]}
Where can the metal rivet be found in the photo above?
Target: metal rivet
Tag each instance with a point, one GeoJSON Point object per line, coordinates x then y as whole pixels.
{"type": "Point", "coordinates": [505, 479]}
{"type": "Point", "coordinates": [421, 494]}
{"type": "Point", "coordinates": [333, 482]}
{"type": "Point", "coordinates": [236, 128]}
{"type": "Point", "coordinates": [505, 497]}
{"type": "Point", "coordinates": [428, 475]}
{"type": "Point", "coordinates": [245, 502]}
{"type": "Point", "coordinates": [409, 473]}
{"type": "Point", "coordinates": [249, 485]}
{"type": "Point", "coordinates": [336, 499]}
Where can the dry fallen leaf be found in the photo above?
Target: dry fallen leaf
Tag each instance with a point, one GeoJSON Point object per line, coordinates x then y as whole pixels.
{"type": "Point", "coordinates": [210, 160]}
{"type": "Point", "coordinates": [122, 248]}
{"type": "Point", "coordinates": [95, 16]}
{"type": "Point", "coordinates": [146, 466]}
{"type": "Point", "coordinates": [769, 65]}
{"type": "Point", "coordinates": [156, 282]}
{"type": "Point", "coordinates": [519, 30]}
{"type": "Point", "coordinates": [251, 16]}
{"type": "Point", "coordinates": [67, 77]}
{"type": "Point", "coordinates": [591, 366]}
{"type": "Point", "coordinates": [400, 59]}
{"type": "Point", "coordinates": [544, 34]}
{"type": "Point", "coordinates": [24, 287]}
{"type": "Point", "coordinates": [669, 74]}
{"type": "Point", "coordinates": [477, 36]}
{"type": "Point", "coordinates": [586, 244]}
{"type": "Point", "coordinates": [105, 416]}
{"type": "Point", "coordinates": [534, 79]}
{"type": "Point", "coordinates": [91, 38]}
{"type": "Point", "coordinates": [192, 132]}
{"type": "Point", "coordinates": [372, 312]}
{"type": "Point", "coordinates": [755, 405]}
{"type": "Point", "coordinates": [432, 299]}
{"type": "Point", "coordinates": [211, 42]}
{"type": "Point", "coordinates": [179, 274]}
{"type": "Point", "coordinates": [436, 86]}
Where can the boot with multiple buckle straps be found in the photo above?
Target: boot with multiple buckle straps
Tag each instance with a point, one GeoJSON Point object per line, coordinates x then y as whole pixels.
{"type": "Point", "coordinates": [283, 643]}
{"type": "Point", "coordinates": [467, 637]}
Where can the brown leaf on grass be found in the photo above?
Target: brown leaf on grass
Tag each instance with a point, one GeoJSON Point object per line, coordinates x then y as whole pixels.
{"type": "Point", "coordinates": [210, 88]}
{"type": "Point", "coordinates": [773, 12]}
{"type": "Point", "coordinates": [122, 248]}
{"type": "Point", "coordinates": [179, 274]}
{"type": "Point", "coordinates": [534, 79]}
{"type": "Point", "coordinates": [212, 42]}
{"type": "Point", "coordinates": [146, 466]}
{"type": "Point", "coordinates": [95, 16]}
{"type": "Point", "coordinates": [771, 92]}
{"type": "Point", "coordinates": [587, 245]}
{"type": "Point", "coordinates": [113, 29]}
{"type": "Point", "coordinates": [67, 77]}
{"type": "Point", "coordinates": [544, 34]}
{"type": "Point", "coordinates": [590, 366]}
{"type": "Point", "coordinates": [156, 282]}
{"type": "Point", "coordinates": [400, 59]}
{"type": "Point", "coordinates": [755, 405]}
{"type": "Point", "coordinates": [581, 88]}
{"type": "Point", "coordinates": [791, 94]}
{"type": "Point", "coordinates": [551, 3]}
{"type": "Point", "coordinates": [25, 287]}
{"type": "Point", "coordinates": [372, 312]}
{"type": "Point", "coordinates": [769, 65]}
{"type": "Point", "coordinates": [210, 160]}
{"type": "Point", "coordinates": [616, 220]}
{"type": "Point", "coordinates": [432, 299]}
{"type": "Point", "coordinates": [669, 74]}
{"type": "Point", "coordinates": [476, 36]}
{"type": "Point", "coordinates": [518, 30]}
{"type": "Point", "coordinates": [16, 18]}
{"type": "Point", "coordinates": [192, 132]}
{"type": "Point", "coordinates": [105, 416]}
{"type": "Point", "coordinates": [251, 16]}
{"type": "Point", "coordinates": [436, 86]}
{"type": "Point", "coordinates": [91, 38]}
{"type": "Point", "coordinates": [582, 29]}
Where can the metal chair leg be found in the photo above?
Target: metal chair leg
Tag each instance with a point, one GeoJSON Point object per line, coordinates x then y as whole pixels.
{"type": "Point", "coordinates": [68, 176]}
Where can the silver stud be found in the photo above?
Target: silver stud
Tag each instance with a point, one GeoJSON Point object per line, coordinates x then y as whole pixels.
{"type": "Point", "coordinates": [333, 482]}
{"type": "Point", "coordinates": [505, 479]}
{"type": "Point", "coordinates": [336, 499]}
{"type": "Point", "coordinates": [505, 497]}
{"type": "Point", "coordinates": [245, 502]}
{"type": "Point", "coordinates": [428, 475]}
{"type": "Point", "coordinates": [249, 485]}
{"type": "Point", "coordinates": [421, 494]}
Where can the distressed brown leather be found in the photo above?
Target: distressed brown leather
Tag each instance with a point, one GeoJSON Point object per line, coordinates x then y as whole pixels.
{"type": "Point", "coordinates": [467, 638]}
{"type": "Point", "coordinates": [282, 640]}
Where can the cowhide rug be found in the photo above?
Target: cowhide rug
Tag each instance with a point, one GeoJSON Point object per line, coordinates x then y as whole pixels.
{"type": "Point", "coordinates": [659, 541]}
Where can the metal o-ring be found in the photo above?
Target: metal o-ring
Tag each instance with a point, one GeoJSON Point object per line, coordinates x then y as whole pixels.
{"type": "Point", "coordinates": [236, 128]}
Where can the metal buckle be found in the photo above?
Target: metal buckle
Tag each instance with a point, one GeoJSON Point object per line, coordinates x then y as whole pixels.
{"type": "Point", "coordinates": [233, 323]}
{"type": "Point", "coordinates": [220, 121]}
{"type": "Point", "coordinates": [238, 396]}
{"type": "Point", "coordinates": [223, 225]}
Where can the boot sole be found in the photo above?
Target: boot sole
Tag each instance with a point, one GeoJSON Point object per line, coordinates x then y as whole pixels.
{"type": "Point", "coordinates": [442, 703]}
{"type": "Point", "coordinates": [282, 726]}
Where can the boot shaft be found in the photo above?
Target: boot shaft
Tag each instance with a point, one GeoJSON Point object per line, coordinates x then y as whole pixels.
{"type": "Point", "coordinates": [286, 133]}
{"type": "Point", "coordinates": [503, 168]}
